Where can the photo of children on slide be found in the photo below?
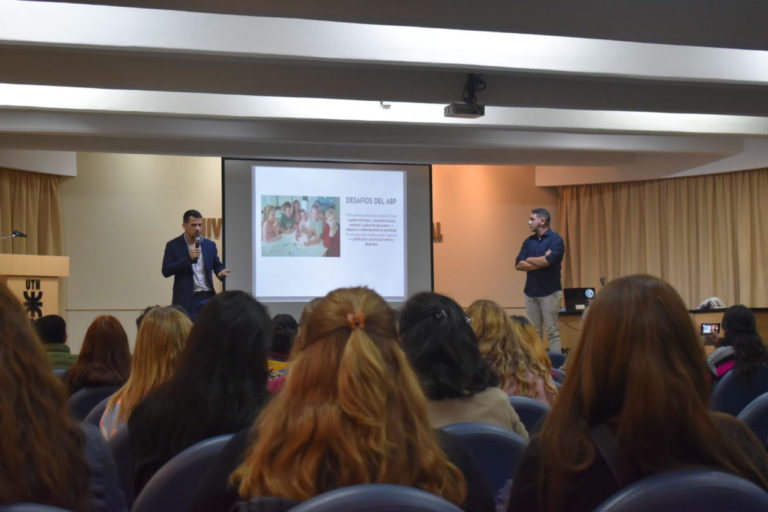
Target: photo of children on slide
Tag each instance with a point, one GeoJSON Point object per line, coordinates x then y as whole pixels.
{"type": "Point", "coordinates": [300, 226]}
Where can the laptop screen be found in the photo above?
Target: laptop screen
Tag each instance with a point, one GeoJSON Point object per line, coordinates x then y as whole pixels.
{"type": "Point", "coordinates": [577, 299]}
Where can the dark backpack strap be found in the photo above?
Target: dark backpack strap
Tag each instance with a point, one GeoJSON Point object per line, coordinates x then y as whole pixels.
{"type": "Point", "coordinates": [606, 444]}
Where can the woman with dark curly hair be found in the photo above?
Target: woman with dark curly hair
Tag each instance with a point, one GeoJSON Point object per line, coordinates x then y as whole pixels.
{"type": "Point", "coordinates": [438, 339]}
{"type": "Point", "coordinates": [741, 349]}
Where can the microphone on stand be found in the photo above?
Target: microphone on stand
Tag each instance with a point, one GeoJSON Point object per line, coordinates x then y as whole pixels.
{"type": "Point", "coordinates": [14, 234]}
{"type": "Point", "coordinates": [197, 246]}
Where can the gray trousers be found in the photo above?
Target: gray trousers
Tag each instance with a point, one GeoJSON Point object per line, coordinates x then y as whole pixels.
{"type": "Point", "coordinates": [544, 310]}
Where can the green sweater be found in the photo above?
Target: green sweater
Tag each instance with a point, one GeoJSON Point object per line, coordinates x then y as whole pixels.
{"type": "Point", "coordinates": [59, 355]}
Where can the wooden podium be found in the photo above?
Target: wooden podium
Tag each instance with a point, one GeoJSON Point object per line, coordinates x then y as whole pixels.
{"type": "Point", "coordinates": [35, 281]}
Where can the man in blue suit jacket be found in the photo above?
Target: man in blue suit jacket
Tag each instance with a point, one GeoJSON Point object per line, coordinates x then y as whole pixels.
{"type": "Point", "coordinates": [190, 258]}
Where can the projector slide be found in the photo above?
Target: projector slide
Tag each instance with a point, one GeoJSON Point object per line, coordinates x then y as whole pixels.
{"type": "Point", "coordinates": [317, 229]}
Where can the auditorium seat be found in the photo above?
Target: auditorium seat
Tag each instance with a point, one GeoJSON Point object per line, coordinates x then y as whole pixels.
{"type": "Point", "coordinates": [120, 445]}
{"type": "Point", "coordinates": [556, 358]}
{"type": "Point", "coordinates": [173, 486]}
{"type": "Point", "coordinates": [376, 498]}
{"type": "Point", "coordinates": [496, 450]}
{"type": "Point", "coordinates": [94, 416]}
{"type": "Point", "coordinates": [81, 403]}
{"type": "Point", "coordinates": [30, 507]}
{"type": "Point", "coordinates": [558, 375]}
{"type": "Point", "coordinates": [732, 394]}
{"type": "Point", "coordinates": [755, 416]}
{"type": "Point", "coordinates": [700, 490]}
{"type": "Point", "coordinates": [531, 411]}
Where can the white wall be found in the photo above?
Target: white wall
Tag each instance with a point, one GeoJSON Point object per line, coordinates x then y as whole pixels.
{"type": "Point", "coordinates": [483, 211]}
{"type": "Point", "coordinates": [121, 209]}
{"type": "Point", "coordinates": [753, 154]}
{"type": "Point", "coordinates": [49, 162]}
{"type": "Point", "coordinates": [118, 213]}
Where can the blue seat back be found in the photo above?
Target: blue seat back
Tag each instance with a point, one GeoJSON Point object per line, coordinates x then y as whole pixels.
{"type": "Point", "coordinates": [733, 393]}
{"type": "Point", "coordinates": [120, 445]}
{"type": "Point", "coordinates": [81, 403]}
{"type": "Point", "coordinates": [30, 507]}
{"type": "Point", "coordinates": [174, 485]}
{"type": "Point", "coordinates": [556, 358]}
{"type": "Point", "coordinates": [755, 416]}
{"type": "Point", "coordinates": [531, 411]}
{"type": "Point", "coordinates": [497, 451]}
{"type": "Point", "coordinates": [699, 490]}
{"type": "Point", "coordinates": [376, 498]}
{"type": "Point", "coordinates": [94, 416]}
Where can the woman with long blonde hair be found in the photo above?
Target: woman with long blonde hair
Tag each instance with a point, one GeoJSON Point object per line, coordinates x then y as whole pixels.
{"type": "Point", "coordinates": [501, 343]}
{"type": "Point", "coordinates": [634, 403]}
{"type": "Point", "coordinates": [531, 342]}
{"type": "Point", "coordinates": [352, 411]}
{"type": "Point", "coordinates": [161, 335]}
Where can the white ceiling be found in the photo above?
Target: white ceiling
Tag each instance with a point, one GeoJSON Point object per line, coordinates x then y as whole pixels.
{"type": "Point", "coordinates": [622, 84]}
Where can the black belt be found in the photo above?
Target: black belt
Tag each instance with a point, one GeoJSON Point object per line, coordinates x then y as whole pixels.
{"type": "Point", "coordinates": [206, 293]}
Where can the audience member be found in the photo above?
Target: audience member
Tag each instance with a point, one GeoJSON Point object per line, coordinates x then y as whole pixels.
{"type": "Point", "coordinates": [52, 330]}
{"type": "Point", "coordinates": [105, 357]}
{"type": "Point", "coordinates": [351, 412]}
{"type": "Point", "coordinates": [634, 403]}
{"type": "Point", "coordinates": [460, 385]}
{"type": "Point", "coordinates": [741, 347]}
{"type": "Point", "coordinates": [218, 387]}
{"type": "Point", "coordinates": [309, 308]}
{"type": "Point", "coordinates": [45, 457]}
{"type": "Point", "coordinates": [276, 384]}
{"type": "Point", "coordinates": [150, 308]}
{"type": "Point", "coordinates": [162, 334]}
{"type": "Point", "coordinates": [501, 345]}
{"type": "Point", "coordinates": [534, 346]}
{"type": "Point", "coordinates": [531, 341]}
{"type": "Point", "coordinates": [284, 329]}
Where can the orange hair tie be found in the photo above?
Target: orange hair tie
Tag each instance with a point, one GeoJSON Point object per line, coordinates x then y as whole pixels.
{"type": "Point", "coordinates": [356, 321]}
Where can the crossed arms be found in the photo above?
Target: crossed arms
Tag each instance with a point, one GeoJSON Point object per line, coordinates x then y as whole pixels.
{"type": "Point", "coordinates": [533, 262]}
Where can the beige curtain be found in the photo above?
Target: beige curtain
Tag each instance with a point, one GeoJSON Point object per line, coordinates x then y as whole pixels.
{"type": "Point", "coordinates": [706, 235]}
{"type": "Point", "coordinates": [29, 202]}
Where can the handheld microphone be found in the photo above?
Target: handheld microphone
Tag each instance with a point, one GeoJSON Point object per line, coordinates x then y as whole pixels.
{"type": "Point", "coordinates": [197, 246]}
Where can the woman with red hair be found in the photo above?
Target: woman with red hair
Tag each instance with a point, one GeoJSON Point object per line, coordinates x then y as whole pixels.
{"type": "Point", "coordinates": [352, 411]}
{"type": "Point", "coordinates": [104, 359]}
{"type": "Point", "coordinates": [637, 388]}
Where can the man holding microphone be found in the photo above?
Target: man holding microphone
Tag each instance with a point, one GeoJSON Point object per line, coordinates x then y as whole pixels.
{"type": "Point", "coordinates": [191, 259]}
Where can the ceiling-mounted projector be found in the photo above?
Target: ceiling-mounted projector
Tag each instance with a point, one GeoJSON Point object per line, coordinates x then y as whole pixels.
{"type": "Point", "coordinates": [466, 110]}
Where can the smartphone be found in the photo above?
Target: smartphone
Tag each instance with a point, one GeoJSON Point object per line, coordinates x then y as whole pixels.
{"type": "Point", "coordinates": [710, 328]}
